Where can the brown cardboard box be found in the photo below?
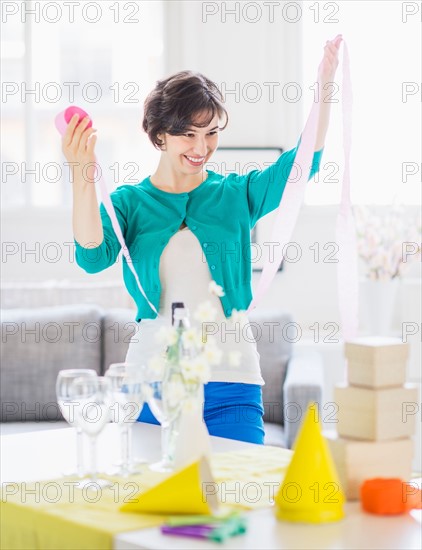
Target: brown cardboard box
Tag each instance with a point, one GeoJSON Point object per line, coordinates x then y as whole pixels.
{"type": "Point", "coordinates": [376, 362]}
{"type": "Point", "coordinates": [359, 460]}
{"type": "Point", "coordinates": [375, 415]}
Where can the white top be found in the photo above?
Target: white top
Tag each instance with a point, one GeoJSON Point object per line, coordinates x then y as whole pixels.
{"type": "Point", "coordinates": [185, 277]}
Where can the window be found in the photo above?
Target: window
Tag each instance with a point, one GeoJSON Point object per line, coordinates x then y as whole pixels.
{"type": "Point", "coordinates": [383, 39]}
{"type": "Point", "coordinates": [105, 61]}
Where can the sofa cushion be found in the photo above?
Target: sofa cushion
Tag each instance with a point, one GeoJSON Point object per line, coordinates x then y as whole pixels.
{"type": "Point", "coordinates": [274, 435]}
{"type": "Point", "coordinates": [118, 326]}
{"type": "Point", "coordinates": [274, 334]}
{"type": "Point", "coordinates": [36, 344]}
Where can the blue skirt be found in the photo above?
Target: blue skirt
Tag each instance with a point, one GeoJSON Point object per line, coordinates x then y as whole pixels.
{"type": "Point", "coordinates": [231, 409]}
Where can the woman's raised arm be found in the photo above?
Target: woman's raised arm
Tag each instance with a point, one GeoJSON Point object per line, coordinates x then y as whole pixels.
{"type": "Point", "coordinates": [326, 73]}
{"type": "Point", "coordinates": [78, 145]}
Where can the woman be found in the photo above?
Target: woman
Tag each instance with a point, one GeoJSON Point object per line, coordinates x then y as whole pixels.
{"type": "Point", "coordinates": [185, 227]}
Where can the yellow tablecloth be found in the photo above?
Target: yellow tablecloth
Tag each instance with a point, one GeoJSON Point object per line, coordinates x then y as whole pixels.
{"type": "Point", "coordinates": [56, 515]}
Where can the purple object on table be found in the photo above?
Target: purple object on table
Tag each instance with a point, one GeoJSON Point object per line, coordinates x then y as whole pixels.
{"type": "Point", "coordinates": [194, 531]}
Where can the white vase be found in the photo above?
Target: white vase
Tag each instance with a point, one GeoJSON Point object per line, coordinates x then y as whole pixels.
{"type": "Point", "coordinates": [193, 440]}
{"type": "Point", "coordinates": [379, 298]}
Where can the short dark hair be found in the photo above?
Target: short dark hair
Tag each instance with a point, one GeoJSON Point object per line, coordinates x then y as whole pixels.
{"type": "Point", "coordinates": [175, 103]}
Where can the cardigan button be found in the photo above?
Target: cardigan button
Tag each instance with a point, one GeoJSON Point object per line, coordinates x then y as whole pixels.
{"type": "Point", "coordinates": [213, 267]}
{"type": "Point", "coordinates": [205, 245]}
{"type": "Point", "coordinates": [228, 311]}
{"type": "Point", "coordinates": [194, 227]}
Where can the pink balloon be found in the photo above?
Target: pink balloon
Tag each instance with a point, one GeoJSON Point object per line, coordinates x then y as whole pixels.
{"type": "Point", "coordinates": [63, 118]}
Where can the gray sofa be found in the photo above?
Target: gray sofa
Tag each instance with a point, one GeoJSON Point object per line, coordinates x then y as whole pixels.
{"type": "Point", "coordinates": [37, 342]}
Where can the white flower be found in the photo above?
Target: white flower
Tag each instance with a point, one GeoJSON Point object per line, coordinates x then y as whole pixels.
{"type": "Point", "coordinates": [196, 369]}
{"type": "Point", "coordinates": [205, 312]}
{"type": "Point", "coordinates": [175, 393]}
{"type": "Point", "coordinates": [212, 353]}
{"type": "Point", "coordinates": [186, 367]}
{"type": "Point", "coordinates": [234, 358]}
{"type": "Point", "coordinates": [215, 289]}
{"type": "Point", "coordinates": [192, 338]}
{"type": "Point", "coordinates": [202, 369]}
{"type": "Point", "coordinates": [380, 238]}
{"type": "Point", "coordinates": [166, 336]}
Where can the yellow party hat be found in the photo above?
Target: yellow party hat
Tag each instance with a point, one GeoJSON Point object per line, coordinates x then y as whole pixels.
{"type": "Point", "coordinates": [311, 490]}
{"type": "Point", "coordinates": [181, 493]}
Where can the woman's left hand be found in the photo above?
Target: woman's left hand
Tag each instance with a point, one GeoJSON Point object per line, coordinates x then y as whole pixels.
{"type": "Point", "coordinates": [328, 66]}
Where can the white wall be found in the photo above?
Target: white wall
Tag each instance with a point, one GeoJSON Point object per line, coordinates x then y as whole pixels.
{"type": "Point", "coordinates": [240, 54]}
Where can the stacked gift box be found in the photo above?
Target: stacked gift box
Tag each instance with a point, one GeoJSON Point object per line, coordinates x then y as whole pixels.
{"type": "Point", "coordinates": [376, 414]}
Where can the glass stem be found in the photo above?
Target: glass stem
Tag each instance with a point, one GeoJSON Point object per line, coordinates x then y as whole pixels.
{"type": "Point", "coordinates": [165, 440]}
{"type": "Point", "coordinates": [125, 442]}
{"type": "Point", "coordinates": [129, 445]}
{"type": "Point", "coordinates": [93, 457]}
{"type": "Point", "coordinates": [79, 453]}
{"type": "Point", "coordinates": [170, 434]}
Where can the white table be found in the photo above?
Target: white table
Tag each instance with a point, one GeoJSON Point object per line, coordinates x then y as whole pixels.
{"type": "Point", "coordinates": [43, 455]}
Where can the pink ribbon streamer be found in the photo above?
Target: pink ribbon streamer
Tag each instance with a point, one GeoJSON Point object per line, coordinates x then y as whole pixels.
{"type": "Point", "coordinates": [347, 267]}
{"type": "Point", "coordinates": [108, 205]}
{"type": "Point", "coordinates": [288, 212]}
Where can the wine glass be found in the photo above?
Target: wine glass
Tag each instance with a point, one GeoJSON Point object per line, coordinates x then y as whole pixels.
{"type": "Point", "coordinates": [67, 406]}
{"type": "Point", "coordinates": [165, 397]}
{"type": "Point", "coordinates": [92, 414]}
{"type": "Point", "coordinates": [127, 402]}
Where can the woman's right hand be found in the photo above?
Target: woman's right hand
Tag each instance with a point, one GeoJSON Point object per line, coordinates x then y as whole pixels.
{"type": "Point", "coordinates": [78, 147]}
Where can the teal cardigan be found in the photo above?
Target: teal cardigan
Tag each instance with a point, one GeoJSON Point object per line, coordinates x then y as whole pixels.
{"type": "Point", "coordinates": [221, 213]}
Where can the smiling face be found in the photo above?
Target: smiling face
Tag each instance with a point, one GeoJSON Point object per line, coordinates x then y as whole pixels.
{"type": "Point", "coordinates": [187, 153]}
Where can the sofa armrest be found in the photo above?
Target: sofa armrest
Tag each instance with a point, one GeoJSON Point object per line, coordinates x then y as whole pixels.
{"type": "Point", "coordinates": [304, 383]}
